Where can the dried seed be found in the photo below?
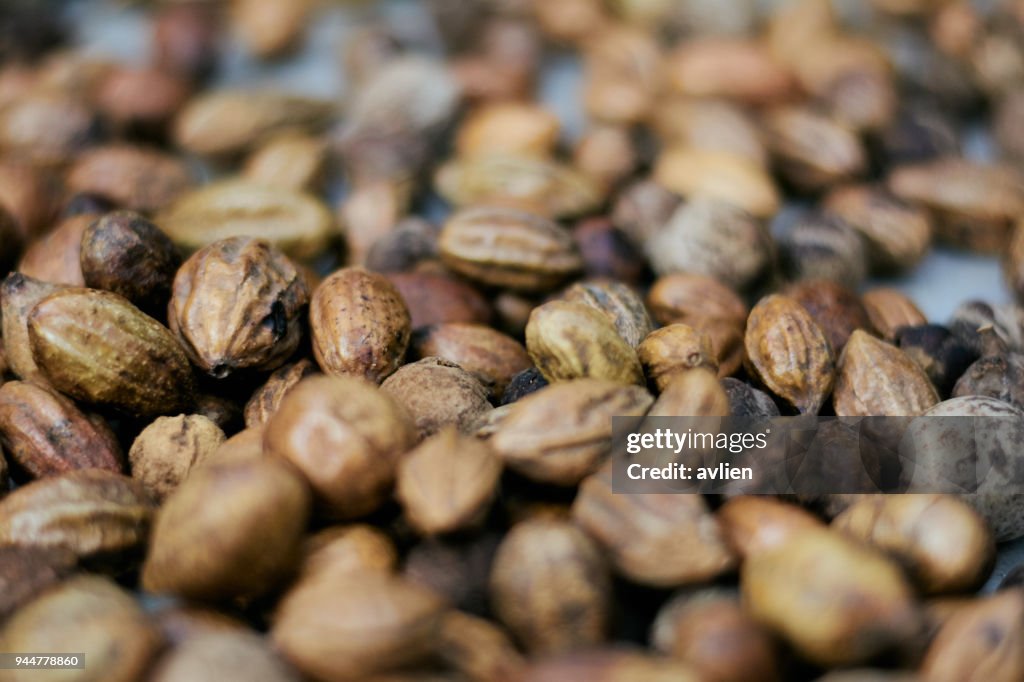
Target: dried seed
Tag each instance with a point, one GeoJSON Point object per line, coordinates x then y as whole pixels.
{"type": "Point", "coordinates": [731, 68]}
{"type": "Point", "coordinates": [611, 664]}
{"type": "Point", "coordinates": [246, 444]}
{"type": "Point", "coordinates": [875, 378]}
{"type": "Point", "coordinates": [98, 515]}
{"type": "Point", "coordinates": [753, 524]}
{"type": "Point", "coordinates": [141, 100]}
{"type": "Point", "coordinates": [360, 325]}
{"type": "Point", "coordinates": [456, 568]}
{"type": "Point", "coordinates": [710, 124]}
{"type": "Point", "coordinates": [813, 151]}
{"type": "Point", "coordinates": [658, 540]}
{"type": "Point", "coordinates": [45, 434]}
{"type": "Point", "coordinates": [709, 307]}
{"type": "Point", "coordinates": [822, 246]}
{"type": "Point", "coordinates": [606, 153]}
{"type": "Point", "coordinates": [550, 587]}
{"type": "Point", "coordinates": [238, 303]}
{"type": "Point", "coordinates": [621, 304]}
{"type": "Point", "coordinates": [447, 483]}
{"type": "Point", "coordinates": [438, 393]}
{"type": "Point", "coordinates": [394, 118]}
{"type": "Point", "coordinates": [836, 309]}
{"type": "Point", "coordinates": [999, 376]}
{"type": "Point", "coordinates": [295, 222]}
{"type": "Point", "coordinates": [789, 353]}
{"type": "Point", "coordinates": [747, 401]}
{"type": "Point", "coordinates": [982, 327]}
{"type": "Point", "coordinates": [290, 160]}
{"type": "Point", "coordinates": [184, 38]}
{"type": "Point", "coordinates": [225, 412]}
{"type": "Point", "coordinates": [349, 423]}
{"type": "Point", "coordinates": [709, 630]}
{"type": "Point", "coordinates": [513, 312]}
{"type": "Point", "coordinates": [690, 299]}
{"type": "Point", "coordinates": [897, 234]}
{"type": "Point", "coordinates": [524, 383]}
{"type": "Point", "coordinates": [871, 607]}
{"type": "Point", "coordinates": [370, 212]}
{"type": "Point", "coordinates": [18, 296]}
{"type": "Point", "coordinates": [942, 356]}
{"type": "Point", "coordinates": [508, 128]}
{"type": "Point", "coordinates": [714, 238]}
{"type": "Point", "coordinates": [571, 340]}
{"type": "Point", "coordinates": [494, 358]}
{"type": "Point", "coordinates": [508, 247]}
{"type": "Point", "coordinates": [672, 350]}
{"type": "Point", "coordinates": [918, 134]}
{"type": "Point", "coordinates": [698, 173]}
{"type": "Point", "coordinates": [226, 122]}
{"type": "Point", "coordinates": [890, 311]}
{"type": "Point", "coordinates": [135, 178]}
{"type": "Point", "coordinates": [642, 208]}
{"type": "Point", "coordinates": [864, 98]}
{"type": "Point", "coordinates": [561, 433]}
{"type": "Point", "coordinates": [975, 205]}
{"type": "Point", "coordinates": [477, 648]}
{"type": "Point", "coordinates": [56, 256]}
{"type": "Point", "coordinates": [438, 298]}
{"type": "Point", "coordinates": [272, 28]}
{"type": "Point", "coordinates": [944, 544]}
{"type": "Point", "coordinates": [489, 423]}
{"type": "Point", "coordinates": [97, 347]}
{"type": "Point", "coordinates": [572, 21]}
{"type": "Point", "coordinates": [345, 626]}
{"type": "Point", "coordinates": [507, 68]}
{"type": "Point", "coordinates": [167, 450]}
{"type": "Point", "coordinates": [45, 128]}
{"type": "Point", "coordinates": [230, 529]}
{"type": "Point", "coordinates": [29, 193]}
{"type": "Point", "coordinates": [623, 72]}
{"type": "Point", "coordinates": [91, 615]}
{"type": "Point", "coordinates": [948, 457]}
{"type": "Point", "coordinates": [347, 549]}
{"type": "Point", "coordinates": [265, 401]}
{"type": "Point", "coordinates": [820, 65]}
{"type": "Point", "coordinates": [692, 393]}
{"type": "Point", "coordinates": [26, 572]}
{"type": "Point", "coordinates": [127, 254]}
{"type": "Point", "coordinates": [412, 241]}
{"type": "Point", "coordinates": [545, 186]}
{"type": "Point", "coordinates": [222, 654]}
{"type": "Point", "coordinates": [981, 641]}
{"type": "Point", "coordinates": [607, 252]}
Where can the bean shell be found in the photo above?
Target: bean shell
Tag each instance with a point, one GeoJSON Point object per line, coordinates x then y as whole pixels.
{"type": "Point", "coordinates": [360, 325]}
{"type": "Point", "coordinates": [561, 433]}
{"type": "Point", "coordinates": [97, 347]}
{"type": "Point", "coordinates": [789, 353]}
{"type": "Point", "coordinates": [509, 248]}
{"type": "Point", "coordinates": [570, 340]}
{"type": "Point", "coordinates": [295, 222]}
